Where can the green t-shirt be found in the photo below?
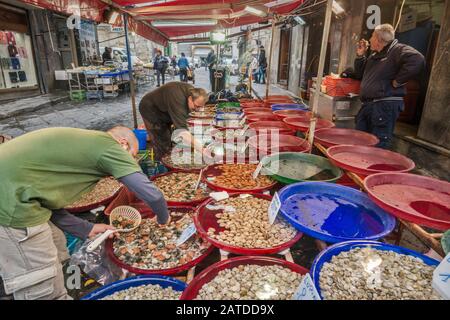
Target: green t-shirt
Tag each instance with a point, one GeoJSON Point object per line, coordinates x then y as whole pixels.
{"type": "Point", "coordinates": [51, 168]}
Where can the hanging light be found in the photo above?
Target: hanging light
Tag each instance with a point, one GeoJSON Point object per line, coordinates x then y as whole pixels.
{"type": "Point", "coordinates": [337, 8]}
{"type": "Point", "coordinates": [255, 11]}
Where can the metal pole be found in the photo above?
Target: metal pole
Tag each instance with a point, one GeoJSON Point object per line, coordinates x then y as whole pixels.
{"type": "Point", "coordinates": [130, 70]}
{"type": "Point", "coordinates": [323, 51]}
{"type": "Point", "coordinates": [270, 59]}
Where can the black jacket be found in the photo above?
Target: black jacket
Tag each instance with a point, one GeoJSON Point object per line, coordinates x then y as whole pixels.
{"type": "Point", "coordinates": [262, 61]}
{"type": "Point", "coordinates": [160, 63]}
{"type": "Point", "coordinates": [377, 71]}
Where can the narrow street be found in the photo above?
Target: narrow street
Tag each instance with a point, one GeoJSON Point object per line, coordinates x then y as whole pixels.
{"type": "Point", "coordinates": [93, 114]}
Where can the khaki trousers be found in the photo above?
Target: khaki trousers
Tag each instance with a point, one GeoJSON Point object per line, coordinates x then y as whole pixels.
{"type": "Point", "coordinates": [30, 262]}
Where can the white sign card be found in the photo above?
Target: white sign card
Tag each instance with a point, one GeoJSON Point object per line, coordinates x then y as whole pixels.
{"type": "Point", "coordinates": [306, 290]}
{"type": "Point", "coordinates": [274, 207]}
{"type": "Point", "coordinates": [187, 233]}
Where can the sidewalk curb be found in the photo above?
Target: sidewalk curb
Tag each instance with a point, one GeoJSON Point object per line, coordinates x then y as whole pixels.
{"type": "Point", "coordinates": [50, 102]}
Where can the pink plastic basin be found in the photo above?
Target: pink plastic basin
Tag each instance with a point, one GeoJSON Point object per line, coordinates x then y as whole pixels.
{"type": "Point", "coordinates": [364, 160]}
{"type": "Point", "coordinates": [418, 199]}
{"type": "Point", "coordinates": [329, 137]}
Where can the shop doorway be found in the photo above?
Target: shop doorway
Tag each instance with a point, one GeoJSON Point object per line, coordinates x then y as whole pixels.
{"type": "Point", "coordinates": [283, 62]}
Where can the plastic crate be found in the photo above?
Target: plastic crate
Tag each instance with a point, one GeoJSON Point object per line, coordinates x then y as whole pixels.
{"type": "Point", "coordinates": [340, 87]}
{"type": "Point", "coordinates": [78, 95]}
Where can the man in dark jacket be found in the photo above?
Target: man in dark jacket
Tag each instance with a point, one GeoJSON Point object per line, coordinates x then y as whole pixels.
{"type": "Point", "coordinates": [211, 61]}
{"type": "Point", "coordinates": [160, 64]}
{"type": "Point", "coordinates": [106, 56]}
{"type": "Point", "coordinates": [170, 105]}
{"type": "Point", "coordinates": [384, 74]}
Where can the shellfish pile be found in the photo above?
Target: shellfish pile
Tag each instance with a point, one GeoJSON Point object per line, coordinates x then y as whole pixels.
{"type": "Point", "coordinates": [180, 186]}
{"type": "Point", "coordinates": [251, 282]}
{"type": "Point", "coordinates": [246, 224]}
{"type": "Point", "coordinates": [153, 247]}
{"type": "Point", "coordinates": [104, 189]}
{"type": "Point", "coordinates": [370, 274]}
{"type": "Point", "coordinates": [145, 292]}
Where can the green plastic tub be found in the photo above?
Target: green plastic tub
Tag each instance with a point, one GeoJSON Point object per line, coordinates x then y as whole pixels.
{"type": "Point", "coordinates": [300, 167]}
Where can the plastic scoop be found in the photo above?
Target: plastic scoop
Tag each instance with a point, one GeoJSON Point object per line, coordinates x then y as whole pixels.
{"type": "Point", "coordinates": [121, 212]}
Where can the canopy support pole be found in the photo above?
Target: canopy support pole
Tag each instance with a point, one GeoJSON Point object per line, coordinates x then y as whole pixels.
{"type": "Point", "coordinates": [270, 59]}
{"type": "Point", "coordinates": [130, 70]}
{"type": "Point", "coordinates": [323, 51]}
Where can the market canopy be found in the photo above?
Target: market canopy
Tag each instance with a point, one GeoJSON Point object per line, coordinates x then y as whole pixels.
{"type": "Point", "coordinates": [176, 18]}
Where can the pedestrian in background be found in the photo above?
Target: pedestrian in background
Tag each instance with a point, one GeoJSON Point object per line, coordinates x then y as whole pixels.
{"type": "Point", "coordinates": [183, 64]}
{"type": "Point", "coordinates": [160, 64]}
{"type": "Point", "coordinates": [262, 66]}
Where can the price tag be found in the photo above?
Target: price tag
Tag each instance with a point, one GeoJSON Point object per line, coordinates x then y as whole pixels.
{"type": "Point", "coordinates": [246, 195]}
{"type": "Point", "coordinates": [241, 123]}
{"type": "Point", "coordinates": [187, 233]}
{"type": "Point", "coordinates": [441, 278]}
{"type": "Point", "coordinates": [218, 196]}
{"type": "Point", "coordinates": [257, 170]}
{"type": "Point", "coordinates": [306, 290]}
{"type": "Point", "coordinates": [274, 207]}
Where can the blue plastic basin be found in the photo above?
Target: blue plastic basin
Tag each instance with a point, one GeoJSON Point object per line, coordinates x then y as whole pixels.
{"type": "Point", "coordinates": [334, 213]}
{"type": "Point", "coordinates": [327, 254]}
{"type": "Point", "coordinates": [111, 288]}
{"type": "Point", "coordinates": [288, 106]}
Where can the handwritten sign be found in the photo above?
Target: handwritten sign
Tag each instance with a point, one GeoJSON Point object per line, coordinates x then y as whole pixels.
{"type": "Point", "coordinates": [274, 207]}
{"type": "Point", "coordinates": [187, 233]}
{"type": "Point", "coordinates": [441, 278]}
{"type": "Point", "coordinates": [306, 290]}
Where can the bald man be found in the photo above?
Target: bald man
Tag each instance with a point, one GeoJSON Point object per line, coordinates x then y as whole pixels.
{"type": "Point", "coordinates": [41, 173]}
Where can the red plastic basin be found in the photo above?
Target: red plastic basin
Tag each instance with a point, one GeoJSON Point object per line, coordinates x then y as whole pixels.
{"type": "Point", "coordinates": [418, 199]}
{"type": "Point", "coordinates": [329, 137]}
{"type": "Point", "coordinates": [364, 160]}
{"type": "Point", "coordinates": [206, 218]}
{"type": "Point", "coordinates": [254, 117]}
{"type": "Point", "coordinates": [302, 123]}
{"type": "Point", "coordinates": [265, 111]}
{"type": "Point", "coordinates": [267, 144]}
{"type": "Point", "coordinates": [211, 272]}
{"type": "Point", "coordinates": [281, 114]}
{"type": "Point", "coordinates": [255, 104]}
{"type": "Point", "coordinates": [147, 213]}
{"type": "Point", "coordinates": [267, 127]}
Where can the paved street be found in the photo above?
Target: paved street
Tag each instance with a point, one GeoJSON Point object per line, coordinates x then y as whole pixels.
{"type": "Point", "coordinates": [99, 115]}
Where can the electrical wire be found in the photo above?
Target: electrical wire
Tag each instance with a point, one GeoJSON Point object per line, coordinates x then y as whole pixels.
{"type": "Point", "coordinates": [400, 15]}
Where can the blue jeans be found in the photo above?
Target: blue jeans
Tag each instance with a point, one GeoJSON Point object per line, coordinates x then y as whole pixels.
{"type": "Point", "coordinates": [261, 75]}
{"type": "Point", "coordinates": [378, 118]}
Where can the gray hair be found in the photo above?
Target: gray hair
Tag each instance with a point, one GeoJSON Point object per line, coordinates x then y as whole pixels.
{"type": "Point", "coordinates": [196, 93]}
{"type": "Point", "coordinates": [385, 32]}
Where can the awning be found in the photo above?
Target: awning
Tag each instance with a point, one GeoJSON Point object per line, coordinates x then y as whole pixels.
{"type": "Point", "coordinates": [227, 13]}
{"type": "Point", "coordinates": [93, 10]}
{"type": "Point", "coordinates": [86, 9]}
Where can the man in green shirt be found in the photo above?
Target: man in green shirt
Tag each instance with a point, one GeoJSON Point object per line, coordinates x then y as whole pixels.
{"type": "Point", "coordinates": [170, 105]}
{"type": "Point", "coordinates": [41, 173]}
